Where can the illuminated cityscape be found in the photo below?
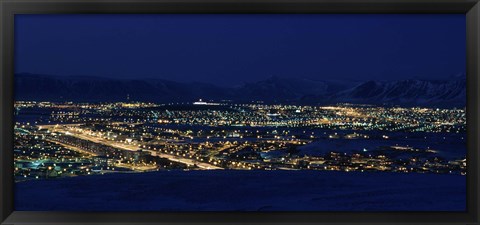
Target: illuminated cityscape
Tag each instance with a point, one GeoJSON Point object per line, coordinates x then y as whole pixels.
{"type": "Point", "coordinates": [240, 112]}
{"type": "Point", "coordinates": [71, 139]}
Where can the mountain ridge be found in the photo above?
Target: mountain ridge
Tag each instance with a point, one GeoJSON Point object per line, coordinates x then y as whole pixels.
{"type": "Point", "coordinates": [410, 92]}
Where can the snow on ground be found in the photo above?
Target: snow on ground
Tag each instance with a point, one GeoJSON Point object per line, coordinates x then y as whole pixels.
{"type": "Point", "coordinates": [451, 150]}
{"type": "Point", "coordinates": [245, 191]}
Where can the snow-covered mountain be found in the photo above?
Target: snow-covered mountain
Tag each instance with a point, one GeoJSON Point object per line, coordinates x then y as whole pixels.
{"type": "Point", "coordinates": [298, 90]}
{"type": "Point", "coordinates": [444, 93]}
{"type": "Point", "coordinates": [408, 92]}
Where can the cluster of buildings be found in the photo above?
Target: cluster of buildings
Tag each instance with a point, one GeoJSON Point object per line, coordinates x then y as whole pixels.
{"type": "Point", "coordinates": [70, 139]}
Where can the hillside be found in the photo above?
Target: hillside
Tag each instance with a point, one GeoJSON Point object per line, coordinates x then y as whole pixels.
{"type": "Point", "coordinates": [245, 191]}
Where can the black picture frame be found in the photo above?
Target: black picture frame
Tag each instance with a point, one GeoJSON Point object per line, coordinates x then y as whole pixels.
{"type": "Point", "coordinates": [10, 8]}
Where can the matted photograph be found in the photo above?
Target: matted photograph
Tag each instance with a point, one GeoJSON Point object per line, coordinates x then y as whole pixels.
{"type": "Point", "coordinates": [240, 112]}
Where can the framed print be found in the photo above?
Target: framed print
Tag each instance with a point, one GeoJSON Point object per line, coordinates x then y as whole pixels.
{"type": "Point", "coordinates": [230, 112]}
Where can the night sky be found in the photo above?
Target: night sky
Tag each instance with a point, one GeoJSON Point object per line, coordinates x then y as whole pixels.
{"type": "Point", "coordinates": [234, 49]}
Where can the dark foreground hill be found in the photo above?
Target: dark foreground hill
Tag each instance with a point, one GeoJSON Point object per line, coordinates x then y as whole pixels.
{"type": "Point", "coordinates": [245, 191]}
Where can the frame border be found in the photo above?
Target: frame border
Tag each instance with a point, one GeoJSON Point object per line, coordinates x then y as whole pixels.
{"type": "Point", "coordinates": [8, 9]}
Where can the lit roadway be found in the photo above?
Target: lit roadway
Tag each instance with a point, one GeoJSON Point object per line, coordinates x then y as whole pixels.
{"type": "Point", "coordinates": [71, 147]}
{"type": "Point", "coordinates": [174, 158]}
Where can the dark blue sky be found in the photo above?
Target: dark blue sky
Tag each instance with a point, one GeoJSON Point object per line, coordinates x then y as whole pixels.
{"type": "Point", "coordinates": [233, 49]}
